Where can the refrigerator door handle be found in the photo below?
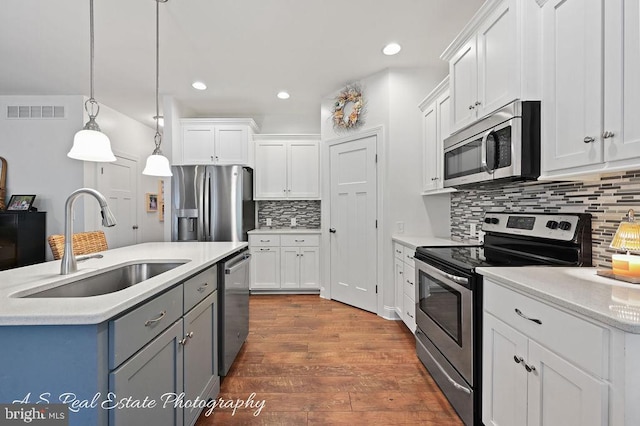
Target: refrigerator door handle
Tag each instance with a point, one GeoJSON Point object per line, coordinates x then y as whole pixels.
{"type": "Point", "coordinates": [206, 207]}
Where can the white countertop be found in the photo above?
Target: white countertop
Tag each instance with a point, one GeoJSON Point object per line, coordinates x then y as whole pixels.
{"type": "Point", "coordinates": [610, 301]}
{"type": "Point", "coordinates": [413, 241]}
{"type": "Point", "coordinates": [14, 283]}
{"type": "Point", "coordinates": [285, 231]}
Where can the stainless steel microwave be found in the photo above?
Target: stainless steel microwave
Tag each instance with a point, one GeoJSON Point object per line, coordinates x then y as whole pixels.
{"type": "Point", "coordinates": [505, 146]}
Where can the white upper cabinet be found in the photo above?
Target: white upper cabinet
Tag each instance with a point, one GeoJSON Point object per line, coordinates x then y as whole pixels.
{"type": "Point", "coordinates": [436, 112]}
{"type": "Point", "coordinates": [591, 65]}
{"type": "Point", "coordinates": [287, 167]}
{"type": "Point", "coordinates": [494, 60]}
{"type": "Point", "coordinates": [215, 141]}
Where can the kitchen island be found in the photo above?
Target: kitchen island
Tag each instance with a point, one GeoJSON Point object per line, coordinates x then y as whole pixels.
{"type": "Point", "coordinates": [103, 353]}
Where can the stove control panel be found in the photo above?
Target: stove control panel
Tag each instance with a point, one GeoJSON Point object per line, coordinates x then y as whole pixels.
{"type": "Point", "coordinates": [542, 225]}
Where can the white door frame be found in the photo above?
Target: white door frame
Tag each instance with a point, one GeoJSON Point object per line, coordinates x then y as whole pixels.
{"type": "Point", "coordinates": [325, 289]}
{"type": "Point", "coordinates": [91, 210]}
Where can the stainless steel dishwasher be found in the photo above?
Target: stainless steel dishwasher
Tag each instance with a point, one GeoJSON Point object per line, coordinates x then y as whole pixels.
{"type": "Point", "coordinates": [233, 294]}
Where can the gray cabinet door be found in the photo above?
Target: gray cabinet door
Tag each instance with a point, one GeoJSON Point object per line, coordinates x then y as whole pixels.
{"type": "Point", "coordinates": [152, 372]}
{"type": "Point", "coordinates": [200, 355]}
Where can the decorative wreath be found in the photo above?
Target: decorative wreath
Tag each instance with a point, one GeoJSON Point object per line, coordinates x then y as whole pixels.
{"type": "Point", "coordinates": [350, 97]}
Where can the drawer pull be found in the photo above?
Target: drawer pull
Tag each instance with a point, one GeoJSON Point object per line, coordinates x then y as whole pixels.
{"type": "Point", "coordinates": [147, 323]}
{"type": "Point", "coordinates": [518, 359]}
{"type": "Point", "coordinates": [265, 241]}
{"type": "Point", "coordinates": [265, 249]}
{"type": "Point", "coordinates": [529, 368]}
{"type": "Point", "coordinates": [203, 287]}
{"type": "Point", "coordinates": [409, 282]}
{"type": "Point", "coordinates": [410, 316]}
{"type": "Point", "coordinates": [519, 312]}
{"type": "Point", "coordinates": [299, 241]}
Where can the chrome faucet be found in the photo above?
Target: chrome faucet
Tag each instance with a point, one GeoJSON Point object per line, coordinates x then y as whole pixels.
{"type": "Point", "coordinates": [69, 264]}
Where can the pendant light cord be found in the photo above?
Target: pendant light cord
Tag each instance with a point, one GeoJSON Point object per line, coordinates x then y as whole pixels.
{"type": "Point", "coordinates": [91, 106]}
{"type": "Point", "coordinates": [158, 137]}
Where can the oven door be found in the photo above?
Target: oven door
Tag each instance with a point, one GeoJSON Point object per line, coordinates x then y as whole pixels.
{"type": "Point", "coordinates": [444, 313]}
{"type": "Point", "coordinates": [488, 155]}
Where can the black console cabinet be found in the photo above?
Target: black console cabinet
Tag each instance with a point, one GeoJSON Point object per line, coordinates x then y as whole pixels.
{"type": "Point", "coordinates": [22, 238]}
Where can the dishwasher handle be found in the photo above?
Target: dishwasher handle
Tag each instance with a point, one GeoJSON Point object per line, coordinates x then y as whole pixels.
{"type": "Point", "coordinates": [237, 265]}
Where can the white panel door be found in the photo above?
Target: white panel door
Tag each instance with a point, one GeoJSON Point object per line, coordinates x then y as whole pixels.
{"type": "Point", "coordinates": [498, 66]}
{"type": "Point", "coordinates": [309, 267]}
{"type": "Point", "coordinates": [504, 378]}
{"type": "Point", "coordinates": [231, 145]}
{"type": "Point", "coordinates": [118, 181]}
{"type": "Point", "coordinates": [353, 183]}
{"type": "Point", "coordinates": [562, 394]}
{"type": "Point", "coordinates": [304, 170]}
{"type": "Point", "coordinates": [290, 267]}
{"type": "Point", "coordinates": [265, 268]}
{"type": "Point", "coordinates": [197, 144]}
{"type": "Point", "coordinates": [572, 83]}
{"type": "Point", "coordinates": [271, 170]}
{"type": "Point", "coordinates": [622, 85]}
{"type": "Point", "coordinates": [430, 148]}
{"type": "Point", "coordinates": [463, 74]}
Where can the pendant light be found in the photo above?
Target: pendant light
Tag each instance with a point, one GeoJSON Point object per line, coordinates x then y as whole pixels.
{"type": "Point", "coordinates": [157, 164]}
{"type": "Point", "coordinates": [90, 144]}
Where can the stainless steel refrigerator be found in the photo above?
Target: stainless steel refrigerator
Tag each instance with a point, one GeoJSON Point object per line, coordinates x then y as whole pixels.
{"type": "Point", "coordinates": [215, 203]}
{"type": "Point", "coordinates": [212, 203]}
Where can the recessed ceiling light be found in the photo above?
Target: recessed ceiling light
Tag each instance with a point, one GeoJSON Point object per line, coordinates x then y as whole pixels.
{"type": "Point", "coordinates": [391, 49]}
{"type": "Point", "coordinates": [198, 85]}
{"type": "Point", "coordinates": [283, 95]}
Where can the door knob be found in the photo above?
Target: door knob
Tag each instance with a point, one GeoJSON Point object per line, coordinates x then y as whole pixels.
{"type": "Point", "coordinates": [332, 230]}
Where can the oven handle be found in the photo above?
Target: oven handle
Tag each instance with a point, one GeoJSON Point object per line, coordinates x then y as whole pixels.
{"type": "Point", "coordinates": [447, 376]}
{"type": "Point", "coordinates": [434, 271]}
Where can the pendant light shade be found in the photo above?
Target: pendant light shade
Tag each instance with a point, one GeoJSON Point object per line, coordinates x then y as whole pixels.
{"type": "Point", "coordinates": [90, 144]}
{"type": "Point", "coordinates": [157, 164]}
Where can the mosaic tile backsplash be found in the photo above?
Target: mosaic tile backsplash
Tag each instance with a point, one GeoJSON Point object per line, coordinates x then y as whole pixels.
{"type": "Point", "coordinates": [306, 212]}
{"type": "Point", "coordinates": [607, 199]}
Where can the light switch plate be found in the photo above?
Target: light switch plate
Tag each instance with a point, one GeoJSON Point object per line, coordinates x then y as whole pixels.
{"type": "Point", "coordinates": [293, 221]}
{"type": "Point", "coordinates": [269, 221]}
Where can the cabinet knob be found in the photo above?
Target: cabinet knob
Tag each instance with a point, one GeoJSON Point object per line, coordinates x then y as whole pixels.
{"type": "Point", "coordinates": [134, 227]}
{"type": "Point", "coordinates": [607, 134]}
{"type": "Point", "coordinates": [471, 107]}
{"type": "Point", "coordinates": [478, 103]}
{"type": "Point", "coordinates": [589, 139]}
{"type": "Point", "coordinates": [212, 158]}
{"type": "Point", "coordinates": [332, 230]}
{"type": "Point", "coordinates": [518, 359]}
{"type": "Point", "coordinates": [529, 368]}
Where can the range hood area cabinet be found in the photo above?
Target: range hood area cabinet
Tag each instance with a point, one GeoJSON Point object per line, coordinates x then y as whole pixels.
{"type": "Point", "coordinates": [287, 167]}
{"type": "Point", "coordinates": [494, 60]}
{"type": "Point", "coordinates": [217, 141]}
{"type": "Point", "coordinates": [590, 95]}
{"type": "Point", "coordinates": [435, 108]}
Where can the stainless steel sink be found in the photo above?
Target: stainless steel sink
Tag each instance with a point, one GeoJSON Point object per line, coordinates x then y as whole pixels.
{"type": "Point", "coordinates": [108, 281]}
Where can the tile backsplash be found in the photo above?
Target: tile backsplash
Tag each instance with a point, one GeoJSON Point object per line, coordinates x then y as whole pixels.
{"type": "Point", "coordinates": [607, 199]}
{"type": "Point", "coordinates": [306, 212]}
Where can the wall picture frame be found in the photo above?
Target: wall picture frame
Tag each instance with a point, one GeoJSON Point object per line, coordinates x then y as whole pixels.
{"type": "Point", "coordinates": [21, 202]}
{"type": "Point", "coordinates": [152, 202]}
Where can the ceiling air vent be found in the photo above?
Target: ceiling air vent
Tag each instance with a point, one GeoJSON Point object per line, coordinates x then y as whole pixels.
{"type": "Point", "coordinates": [35, 111]}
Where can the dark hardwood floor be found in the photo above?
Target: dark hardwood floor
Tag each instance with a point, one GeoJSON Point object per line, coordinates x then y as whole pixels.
{"type": "Point", "coordinates": [319, 362]}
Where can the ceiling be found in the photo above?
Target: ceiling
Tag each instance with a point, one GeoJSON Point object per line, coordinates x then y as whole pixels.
{"type": "Point", "coordinates": [244, 50]}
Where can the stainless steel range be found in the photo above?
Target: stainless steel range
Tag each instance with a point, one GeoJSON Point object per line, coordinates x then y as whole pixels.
{"type": "Point", "coordinates": [449, 293]}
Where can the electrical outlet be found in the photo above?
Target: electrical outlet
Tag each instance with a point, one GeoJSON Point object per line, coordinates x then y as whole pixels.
{"type": "Point", "coordinates": [293, 222]}
{"type": "Point", "coordinates": [400, 227]}
{"type": "Point", "coordinates": [269, 221]}
{"type": "Point", "coordinates": [472, 230]}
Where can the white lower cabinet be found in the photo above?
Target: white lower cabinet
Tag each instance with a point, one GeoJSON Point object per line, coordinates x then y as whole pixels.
{"type": "Point", "coordinates": [405, 292]}
{"type": "Point", "coordinates": [285, 261]}
{"type": "Point", "coordinates": [180, 327]}
{"type": "Point", "coordinates": [541, 365]}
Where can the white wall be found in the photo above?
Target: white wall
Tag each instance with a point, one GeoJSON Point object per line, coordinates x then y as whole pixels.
{"type": "Point", "coordinates": [134, 140]}
{"type": "Point", "coordinates": [392, 97]}
{"type": "Point", "coordinates": [36, 154]}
